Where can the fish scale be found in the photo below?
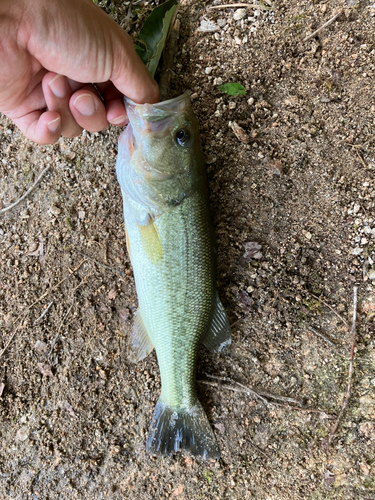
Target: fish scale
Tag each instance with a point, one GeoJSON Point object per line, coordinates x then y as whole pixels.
{"type": "Point", "coordinates": [170, 240]}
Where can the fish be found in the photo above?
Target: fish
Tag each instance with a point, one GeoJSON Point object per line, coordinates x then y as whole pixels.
{"type": "Point", "coordinates": [171, 244]}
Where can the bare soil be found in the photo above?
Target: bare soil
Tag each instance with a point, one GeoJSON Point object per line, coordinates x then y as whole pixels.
{"type": "Point", "coordinates": [74, 412]}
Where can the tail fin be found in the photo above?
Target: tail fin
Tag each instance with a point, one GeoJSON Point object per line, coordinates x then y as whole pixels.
{"type": "Point", "coordinates": [187, 429]}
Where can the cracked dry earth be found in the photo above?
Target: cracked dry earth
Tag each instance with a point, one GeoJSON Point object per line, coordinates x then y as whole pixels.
{"type": "Point", "coordinates": [292, 198]}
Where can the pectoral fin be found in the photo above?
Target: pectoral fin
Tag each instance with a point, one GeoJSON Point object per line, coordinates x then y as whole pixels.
{"type": "Point", "coordinates": [141, 345]}
{"type": "Point", "coordinates": [150, 240]}
{"type": "Point", "coordinates": [218, 337]}
{"type": "Point", "coordinates": [127, 243]}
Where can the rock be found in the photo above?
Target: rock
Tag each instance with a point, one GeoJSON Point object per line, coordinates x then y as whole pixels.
{"type": "Point", "coordinates": [356, 251]}
{"type": "Point", "coordinates": [22, 433]}
{"type": "Point", "coordinates": [239, 14]}
{"type": "Point", "coordinates": [239, 132]}
{"type": "Point", "coordinates": [40, 346]}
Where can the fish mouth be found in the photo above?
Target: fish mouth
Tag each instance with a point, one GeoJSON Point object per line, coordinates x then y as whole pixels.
{"type": "Point", "coordinates": [155, 118]}
{"type": "Point", "coordinates": [153, 113]}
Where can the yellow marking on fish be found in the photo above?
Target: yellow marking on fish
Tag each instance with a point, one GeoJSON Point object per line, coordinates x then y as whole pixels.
{"type": "Point", "coordinates": [127, 243]}
{"type": "Point", "coordinates": [150, 240]}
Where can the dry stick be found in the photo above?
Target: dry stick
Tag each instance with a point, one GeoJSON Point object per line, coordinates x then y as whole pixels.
{"type": "Point", "coordinates": [324, 26]}
{"type": "Point", "coordinates": [265, 395]}
{"type": "Point", "coordinates": [262, 395]}
{"type": "Point", "coordinates": [322, 336]}
{"type": "Point", "coordinates": [237, 321]}
{"type": "Point", "coordinates": [362, 160]}
{"type": "Point", "coordinates": [43, 313]}
{"type": "Point", "coordinates": [250, 5]}
{"type": "Point", "coordinates": [259, 450]}
{"type": "Point", "coordinates": [286, 399]}
{"type": "Point", "coordinates": [168, 58]}
{"type": "Point", "coordinates": [244, 388]}
{"type": "Point", "coordinates": [27, 192]}
{"type": "Point", "coordinates": [350, 374]}
{"type": "Point", "coordinates": [290, 407]}
{"type": "Point", "coordinates": [58, 331]}
{"type": "Point", "coordinates": [23, 314]}
{"type": "Point", "coordinates": [100, 264]}
{"type": "Point", "coordinates": [331, 308]}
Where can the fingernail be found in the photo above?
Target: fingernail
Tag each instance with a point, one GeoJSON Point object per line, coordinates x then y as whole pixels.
{"type": "Point", "coordinates": [85, 104]}
{"type": "Point", "coordinates": [58, 86]}
{"type": "Point", "coordinates": [54, 124]}
{"type": "Point", "coordinates": [119, 119]}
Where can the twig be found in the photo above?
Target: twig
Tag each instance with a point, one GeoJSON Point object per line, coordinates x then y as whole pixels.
{"type": "Point", "coordinates": [350, 374]}
{"type": "Point", "coordinates": [249, 5]}
{"type": "Point", "coordinates": [281, 398]}
{"type": "Point", "coordinates": [243, 387]}
{"type": "Point", "coordinates": [23, 314]}
{"type": "Point", "coordinates": [43, 313]}
{"type": "Point", "coordinates": [100, 264]}
{"type": "Point", "coordinates": [168, 57]}
{"type": "Point", "coordinates": [237, 321]}
{"type": "Point", "coordinates": [324, 25]}
{"type": "Point", "coordinates": [53, 343]}
{"type": "Point", "coordinates": [27, 192]}
{"type": "Point", "coordinates": [259, 450]}
{"type": "Point", "coordinates": [362, 160]}
{"type": "Point", "coordinates": [10, 340]}
{"type": "Point", "coordinates": [322, 336]}
{"type": "Point", "coordinates": [331, 308]}
{"type": "Point", "coordinates": [290, 407]}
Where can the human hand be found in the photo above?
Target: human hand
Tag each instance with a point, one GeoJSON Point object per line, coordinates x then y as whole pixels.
{"type": "Point", "coordinates": [51, 51]}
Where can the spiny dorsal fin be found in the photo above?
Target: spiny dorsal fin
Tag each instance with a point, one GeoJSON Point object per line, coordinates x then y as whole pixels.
{"type": "Point", "coordinates": [141, 345]}
{"type": "Point", "coordinates": [218, 336]}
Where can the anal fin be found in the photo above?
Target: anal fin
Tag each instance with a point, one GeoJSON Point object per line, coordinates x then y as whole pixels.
{"type": "Point", "coordinates": [141, 345]}
{"type": "Point", "coordinates": [218, 336]}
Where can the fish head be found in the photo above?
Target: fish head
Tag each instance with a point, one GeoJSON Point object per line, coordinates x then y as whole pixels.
{"type": "Point", "coordinates": [160, 152]}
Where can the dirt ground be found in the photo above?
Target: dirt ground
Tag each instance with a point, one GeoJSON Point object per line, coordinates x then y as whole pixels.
{"type": "Point", "coordinates": [300, 181]}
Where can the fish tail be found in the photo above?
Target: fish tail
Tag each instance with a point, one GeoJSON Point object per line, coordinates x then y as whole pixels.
{"type": "Point", "coordinates": [172, 430]}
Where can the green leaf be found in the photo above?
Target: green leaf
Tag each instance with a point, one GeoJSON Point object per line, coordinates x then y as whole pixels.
{"type": "Point", "coordinates": [152, 37]}
{"type": "Point", "coordinates": [233, 89]}
{"type": "Point", "coordinates": [138, 48]}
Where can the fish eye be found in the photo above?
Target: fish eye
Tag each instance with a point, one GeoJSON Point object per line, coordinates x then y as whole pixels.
{"type": "Point", "coordinates": [183, 137]}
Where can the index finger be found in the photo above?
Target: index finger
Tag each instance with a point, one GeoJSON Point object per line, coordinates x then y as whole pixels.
{"type": "Point", "coordinates": [129, 75]}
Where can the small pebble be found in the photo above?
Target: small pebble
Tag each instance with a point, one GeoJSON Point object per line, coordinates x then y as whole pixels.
{"type": "Point", "coordinates": [22, 433]}
{"type": "Point", "coordinates": [55, 210]}
{"type": "Point", "coordinates": [239, 14]}
{"type": "Point", "coordinates": [356, 251]}
{"type": "Point", "coordinates": [208, 70]}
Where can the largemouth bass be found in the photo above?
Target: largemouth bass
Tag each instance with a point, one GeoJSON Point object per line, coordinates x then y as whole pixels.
{"type": "Point", "coordinates": [171, 245]}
